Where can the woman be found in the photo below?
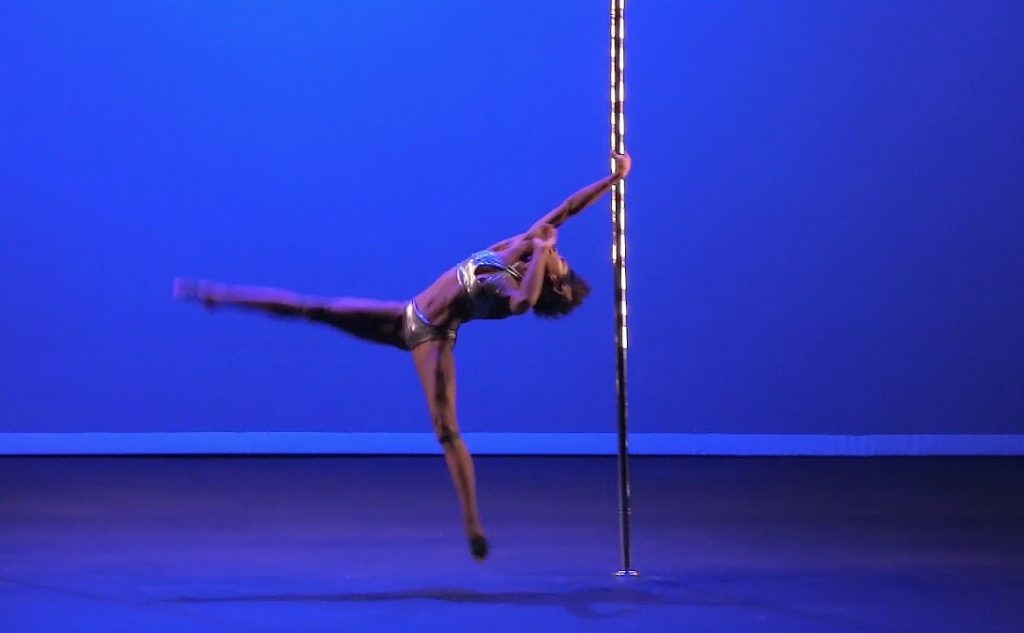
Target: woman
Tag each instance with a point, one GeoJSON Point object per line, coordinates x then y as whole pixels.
{"type": "Point", "coordinates": [510, 278]}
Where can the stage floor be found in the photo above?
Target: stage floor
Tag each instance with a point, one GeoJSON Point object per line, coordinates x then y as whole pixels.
{"type": "Point", "coordinates": [338, 544]}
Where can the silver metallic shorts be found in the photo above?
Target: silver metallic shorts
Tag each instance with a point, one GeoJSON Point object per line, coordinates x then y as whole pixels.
{"type": "Point", "coordinates": [416, 329]}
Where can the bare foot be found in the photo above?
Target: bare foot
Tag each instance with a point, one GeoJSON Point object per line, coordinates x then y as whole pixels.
{"type": "Point", "coordinates": [478, 543]}
{"type": "Point", "coordinates": [479, 547]}
{"type": "Point", "coordinates": [193, 290]}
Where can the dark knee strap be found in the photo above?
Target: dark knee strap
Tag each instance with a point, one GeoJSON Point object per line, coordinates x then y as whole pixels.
{"type": "Point", "coordinates": [448, 437]}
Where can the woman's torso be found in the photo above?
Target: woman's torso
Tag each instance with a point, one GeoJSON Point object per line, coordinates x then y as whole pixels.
{"type": "Point", "coordinates": [478, 287]}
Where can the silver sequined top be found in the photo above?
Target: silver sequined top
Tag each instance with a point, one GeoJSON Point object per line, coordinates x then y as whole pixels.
{"type": "Point", "coordinates": [482, 292]}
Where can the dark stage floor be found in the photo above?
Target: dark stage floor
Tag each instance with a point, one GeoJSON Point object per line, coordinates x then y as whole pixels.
{"type": "Point", "coordinates": [374, 544]}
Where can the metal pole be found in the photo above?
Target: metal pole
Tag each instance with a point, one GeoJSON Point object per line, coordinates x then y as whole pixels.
{"type": "Point", "coordinates": [618, 95]}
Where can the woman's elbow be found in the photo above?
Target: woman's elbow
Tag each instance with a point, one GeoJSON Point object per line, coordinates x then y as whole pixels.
{"type": "Point", "coordinates": [520, 305]}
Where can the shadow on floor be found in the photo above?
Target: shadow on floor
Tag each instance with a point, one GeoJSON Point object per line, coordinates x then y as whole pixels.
{"type": "Point", "coordinates": [582, 603]}
{"type": "Point", "coordinates": [594, 603]}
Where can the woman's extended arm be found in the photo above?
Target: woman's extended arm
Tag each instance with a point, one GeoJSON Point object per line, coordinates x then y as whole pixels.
{"type": "Point", "coordinates": [586, 196]}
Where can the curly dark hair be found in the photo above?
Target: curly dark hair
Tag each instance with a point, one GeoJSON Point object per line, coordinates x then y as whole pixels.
{"type": "Point", "coordinates": [553, 304]}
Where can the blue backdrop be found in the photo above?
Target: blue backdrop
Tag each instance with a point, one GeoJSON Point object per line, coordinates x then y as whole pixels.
{"type": "Point", "coordinates": [826, 211]}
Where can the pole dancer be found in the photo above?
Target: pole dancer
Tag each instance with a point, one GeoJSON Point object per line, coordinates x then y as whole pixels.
{"type": "Point", "coordinates": [512, 277]}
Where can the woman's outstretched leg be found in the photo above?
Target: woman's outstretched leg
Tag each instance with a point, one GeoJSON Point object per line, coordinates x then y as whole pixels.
{"type": "Point", "coordinates": [377, 321]}
{"type": "Point", "coordinates": [435, 363]}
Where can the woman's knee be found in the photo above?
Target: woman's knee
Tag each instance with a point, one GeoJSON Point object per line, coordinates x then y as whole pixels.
{"type": "Point", "coordinates": [446, 429]}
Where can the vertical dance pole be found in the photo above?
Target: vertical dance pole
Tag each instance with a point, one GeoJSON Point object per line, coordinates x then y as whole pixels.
{"type": "Point", "coordinates": [618, 95]}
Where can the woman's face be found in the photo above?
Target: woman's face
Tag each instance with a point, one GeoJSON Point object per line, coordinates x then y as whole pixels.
{"type": "Point", "coordinates": [557, 270]}
{"type": "Point", "coordinates": [557, 267]}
